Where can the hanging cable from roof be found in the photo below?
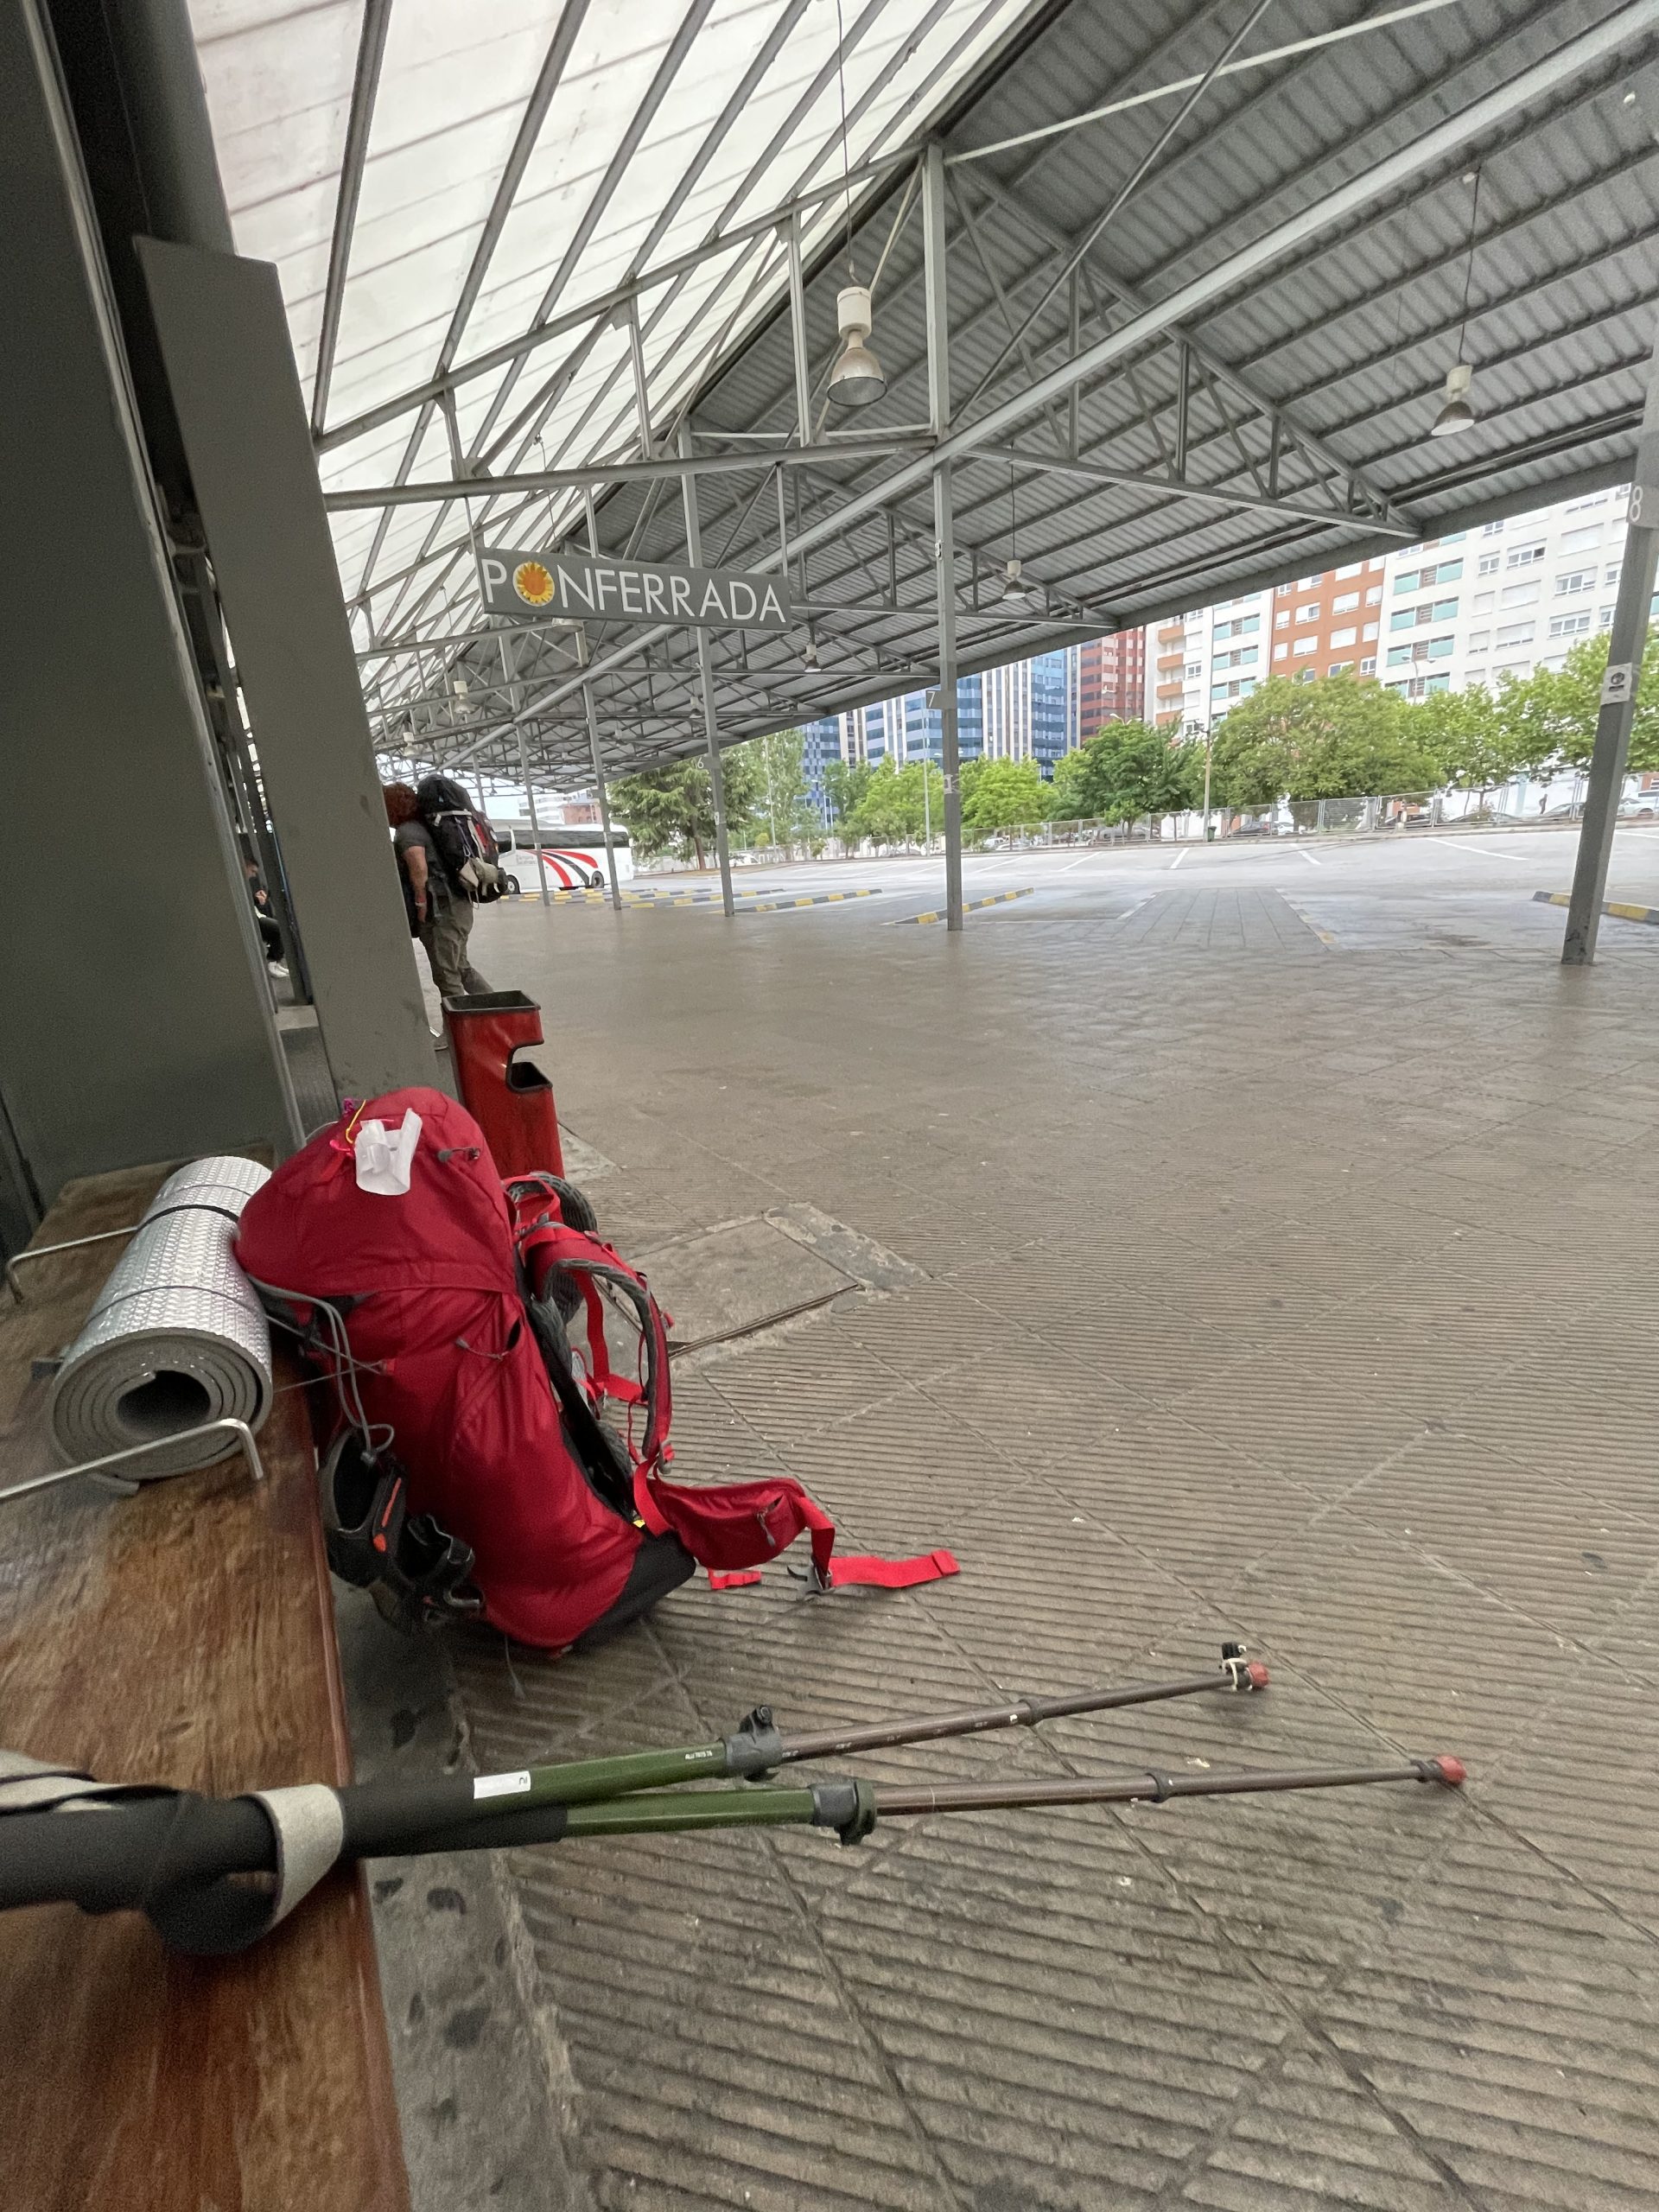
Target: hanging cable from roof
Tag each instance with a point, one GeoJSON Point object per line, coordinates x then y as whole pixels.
{"type": "Point", "coordinates": [1457, 414]}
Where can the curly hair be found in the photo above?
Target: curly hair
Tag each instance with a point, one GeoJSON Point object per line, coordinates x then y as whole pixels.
{"type": "Point", "coordinates": [402, 805]}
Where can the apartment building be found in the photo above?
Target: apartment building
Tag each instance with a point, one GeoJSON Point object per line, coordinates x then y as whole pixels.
{"type": "Point", "coordinates": [1469, 607]}
{"type": "Point", "coordinates": [1111, 681]}
{"type": "Point", "coordinates": [1328, 624]}
{"type": "Point", "coordinates": [1205, 662]}
{"type": "Point", "coordinates": [1503, 600]}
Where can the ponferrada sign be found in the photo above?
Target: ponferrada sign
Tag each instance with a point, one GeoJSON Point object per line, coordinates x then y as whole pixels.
{"type": "Point", "coordinates": [584, 589]}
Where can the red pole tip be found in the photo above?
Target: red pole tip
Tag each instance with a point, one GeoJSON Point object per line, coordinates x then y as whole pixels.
{"type": "Point", "coordinates": [1257, 1675]}
{"type": "Point", "coordinates": [1451, 1772]}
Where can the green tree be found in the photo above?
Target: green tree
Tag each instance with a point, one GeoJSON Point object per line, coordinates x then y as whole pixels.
{"type": "Point", "coordinates": [1128, 771]}
{"type": "Point", "coordinates": [1552, 713]}
{"type": "Point", "coordinates": [923, 815]}
{"type": "Point", "coordinates": [783, 798]}
{"type": "Point", "coordinates": [886, 809]}
{"type": "Point", "coordinates": [1330, 738]}
{"type": "Point", "coordinates": [886, 803]}
{"type": "Point", "coordinates": [672, 810]}
{"type": "Point", "coordinates": [1479, 745]}
{"type": "Point", "coordinates": [998, 794]}
{"type": "Point", "coordinates": [845, 783]}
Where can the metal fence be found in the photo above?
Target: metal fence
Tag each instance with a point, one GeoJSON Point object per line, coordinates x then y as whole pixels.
{"type": "Point", "coordinates": [1543, 803]}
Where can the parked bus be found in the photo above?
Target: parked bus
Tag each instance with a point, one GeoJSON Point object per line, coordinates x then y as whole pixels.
{"type": "Point", "coordinates": [573, 858]}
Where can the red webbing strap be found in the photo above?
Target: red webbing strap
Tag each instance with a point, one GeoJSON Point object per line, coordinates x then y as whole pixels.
{"type": "Point", "coordinates": [893, 1573]}
{"type": "Point", "coordinates": [822, 1532]}
{"type": "Point", "coordinates": [864, 1568]}
{"type": "Point", "coordinates": [645, 1505]}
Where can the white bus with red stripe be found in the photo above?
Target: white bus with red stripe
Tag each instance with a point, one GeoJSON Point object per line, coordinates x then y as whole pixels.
{"type": "Point", "coordinates": [572, 862]}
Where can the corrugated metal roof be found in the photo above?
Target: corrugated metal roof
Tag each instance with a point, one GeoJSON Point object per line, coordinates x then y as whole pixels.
{"type": "Point", "coordinates": [1348, 338]}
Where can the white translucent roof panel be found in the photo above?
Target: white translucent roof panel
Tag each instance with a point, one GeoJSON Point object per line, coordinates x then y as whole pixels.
{"type": "Point", "coordinates": [663, 123]}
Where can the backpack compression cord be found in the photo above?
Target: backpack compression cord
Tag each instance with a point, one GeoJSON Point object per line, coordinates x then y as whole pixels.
{"type": "Point", "coordinates": [178, 1857]}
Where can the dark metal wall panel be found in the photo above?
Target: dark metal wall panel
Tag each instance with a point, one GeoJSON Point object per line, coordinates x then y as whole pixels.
{"type": "Point", "coordinates": [231, 368]}
{"type": "Point", "coordinates": [135, 1022]}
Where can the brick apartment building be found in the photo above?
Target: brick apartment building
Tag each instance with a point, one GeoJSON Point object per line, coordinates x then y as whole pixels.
{"type": "Point", "coordinates": [1327, 625]}
{"type": "Point", "coordinates": [1111, 681]}
{"type": "Point", "coordinates": [1324, 625]}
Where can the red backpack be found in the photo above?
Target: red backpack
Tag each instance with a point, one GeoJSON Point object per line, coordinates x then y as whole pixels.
{"type": "Point", "coordinates": [469, 1329]}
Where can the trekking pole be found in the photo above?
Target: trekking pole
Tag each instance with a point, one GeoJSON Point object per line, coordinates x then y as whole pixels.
{"type": "Point", "coordinates": [377, 1819]}
{"type": "Point", "coordinates": [175, 1857]}
{"type": "Point", "coordinates": [1235, 1673]}
{"type": "Point", "coordinates": [753, 1750]}
{"type": "Point", "coordinates": [853, 1807]}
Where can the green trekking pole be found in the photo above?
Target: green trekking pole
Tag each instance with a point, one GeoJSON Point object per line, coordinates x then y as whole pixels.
{"type": "Point", "coordinates": [377, 1813]}
{"type": "Point", "coordinates": [177, 1857]}
{"type": "Point", "coordinates": [853, 1808]}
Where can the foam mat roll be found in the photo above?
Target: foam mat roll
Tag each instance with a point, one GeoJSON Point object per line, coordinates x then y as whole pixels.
{"type": "Point", "coordinates": [177, 1336]}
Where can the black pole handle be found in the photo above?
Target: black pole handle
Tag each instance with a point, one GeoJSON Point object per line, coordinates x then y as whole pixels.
{"type": "Point", "coordinates": [170, 1856]}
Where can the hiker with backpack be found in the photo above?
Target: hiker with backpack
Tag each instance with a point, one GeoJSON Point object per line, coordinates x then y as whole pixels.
{"type": "Point", "coordinates": [438, 897]}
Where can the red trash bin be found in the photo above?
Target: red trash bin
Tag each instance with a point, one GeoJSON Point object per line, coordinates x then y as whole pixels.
{"type": "Point", "coordinates": [509, 1098]}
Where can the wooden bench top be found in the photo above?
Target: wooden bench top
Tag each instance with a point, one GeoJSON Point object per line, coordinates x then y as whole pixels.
{"type": "Point", "coordinates": [185, 1635]}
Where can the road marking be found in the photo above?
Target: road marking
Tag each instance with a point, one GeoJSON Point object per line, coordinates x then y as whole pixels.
{"type": "Point", "coordinates": [971, 905]}
{"type": "Point", "coordinates": [1307, 922]}
{"type": "Point", "coordinates": [1070, 865]}
{"type": "Point", "coordinates": [814, 898]}
{"type": "Point", "coordinates": [1176, 862]}
{"type": "Point", "coordinates": [1309, 858]}
{"type": "Point", "coordinates": [1621, 908]}
{"type": "Point", "coordinates": [1461, 846]}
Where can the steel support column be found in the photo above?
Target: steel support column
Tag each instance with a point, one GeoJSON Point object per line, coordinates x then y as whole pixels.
{"type": "Point", "coordinates": [706, 673]}
{"type": "Point", "coordinates": [944, 543]}
{"type": "Point", "coordinates": [604, 801]}
{"type": "Point", "coordinates": [515, 693]}
{"type": "Point", "coordinates": [1625, 648]}
{"type": "Point", "coordinates": [798, 332]}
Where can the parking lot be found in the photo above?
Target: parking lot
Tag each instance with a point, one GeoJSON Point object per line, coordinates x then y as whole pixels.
{"type": "Point", "coordinates": [1434, 893]}
{"type": "Point", "coordinates": [1286, 1250]}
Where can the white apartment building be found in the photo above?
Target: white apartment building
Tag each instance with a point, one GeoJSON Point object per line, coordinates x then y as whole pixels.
{"type": "Point", "coordinates": [1506, 599]}
{"type": "Point", "coordinates": [1502, 600]}
{"type": "Point", "coordinates": [1201, 663]}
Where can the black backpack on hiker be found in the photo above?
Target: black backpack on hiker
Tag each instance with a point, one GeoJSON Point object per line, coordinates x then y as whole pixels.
{"type": "Point", "coordinates": [465, 841]}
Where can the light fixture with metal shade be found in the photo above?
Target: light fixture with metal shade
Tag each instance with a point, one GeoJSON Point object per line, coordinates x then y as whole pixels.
{"type": "Point", "coordinates": [857, 379]}
{"type": "Point", "coordinates": [1014, 591]}
{"type": "Point", "coordinates": [1457, 414]}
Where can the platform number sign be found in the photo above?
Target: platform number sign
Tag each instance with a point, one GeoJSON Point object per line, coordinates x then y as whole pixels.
{"type": "Point", "coordinates": [1618, 683]}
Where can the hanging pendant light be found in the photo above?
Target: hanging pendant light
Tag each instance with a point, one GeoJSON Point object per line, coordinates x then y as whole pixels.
{"type": "Point", "coordinates": [858, 377]}
{"type": "Point", "coordinates": [1457, 414]}
{"type": "Point", "coordinates": [1014, 591]}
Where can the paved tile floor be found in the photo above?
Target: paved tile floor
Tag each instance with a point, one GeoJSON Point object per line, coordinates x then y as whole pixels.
{"type": "Point", "coordinates": [1284, 1284]}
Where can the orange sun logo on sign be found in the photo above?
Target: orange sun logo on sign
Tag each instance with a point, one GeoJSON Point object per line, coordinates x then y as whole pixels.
{"type": "Point", "coordinates": [533, 583]}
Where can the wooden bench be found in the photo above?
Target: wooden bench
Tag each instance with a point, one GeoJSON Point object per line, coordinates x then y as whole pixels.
{"type": "Point", "coordinates": [185, 1635]}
